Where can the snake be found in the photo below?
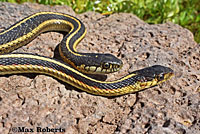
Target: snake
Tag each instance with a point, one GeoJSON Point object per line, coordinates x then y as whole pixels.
{"type": "Point", "coordinates": [74, 66]}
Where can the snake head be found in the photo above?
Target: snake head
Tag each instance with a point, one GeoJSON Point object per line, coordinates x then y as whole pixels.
{"type": "Point", "coordinates": [101, 64]}
{"type": "Point", "coordinates": [156, 72]}
{"type": "Point", "coordinates": [162, 73]}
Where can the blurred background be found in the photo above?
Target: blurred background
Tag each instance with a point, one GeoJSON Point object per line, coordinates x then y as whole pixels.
{"type": "Point", "coordinates": [183, 12]}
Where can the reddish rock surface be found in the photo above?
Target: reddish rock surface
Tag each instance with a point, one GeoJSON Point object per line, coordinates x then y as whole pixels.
{"type": "Point", "coordinates": [42, 101]}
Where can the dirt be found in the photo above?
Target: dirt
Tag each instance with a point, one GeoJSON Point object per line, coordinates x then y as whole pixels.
{"type": "Point", "coordinates": [30, 102]}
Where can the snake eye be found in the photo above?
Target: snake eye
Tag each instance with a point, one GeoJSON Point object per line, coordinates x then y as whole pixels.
{"type": "Point", "coordinates": [161, 77]}
{"type": "Point", "coordinates": [106, 65]}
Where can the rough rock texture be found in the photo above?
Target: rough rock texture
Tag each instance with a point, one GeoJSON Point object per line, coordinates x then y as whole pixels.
{"type": "Point", "coordinates": [42, 101]}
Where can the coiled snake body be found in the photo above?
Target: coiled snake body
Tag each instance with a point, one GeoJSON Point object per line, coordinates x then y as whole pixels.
{"type": "Point", "coordinates": [29, 28]}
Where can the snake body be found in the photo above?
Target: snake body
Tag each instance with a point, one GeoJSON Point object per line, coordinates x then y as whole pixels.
{"type": "Point", "coordinates": [30, 27]}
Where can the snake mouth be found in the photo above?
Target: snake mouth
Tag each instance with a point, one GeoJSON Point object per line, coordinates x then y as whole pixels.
{"type": "Point", "coordinates": [99, 69]}
{"type": "Point", "coordinates": [169, 76]}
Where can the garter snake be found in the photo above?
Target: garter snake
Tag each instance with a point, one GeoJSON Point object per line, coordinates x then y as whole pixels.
{"type": "Point", "coordinates": [30, 27]}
